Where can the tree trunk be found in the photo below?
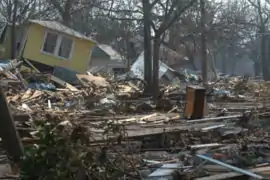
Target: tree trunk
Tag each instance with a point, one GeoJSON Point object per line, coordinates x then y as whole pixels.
{"type": "Point", "coordinates": [66, 18]}
{"type": "Point", "coordinates": [257, 68]}
{"type": "Point", "coordinates": [131, 53]}
{"type": "Point", "coordinates": [13, 31]}
{"type": "Point", "coordinates": [147, 47]}
{"type": "Point", "coordinates": [224, 60]}
{"type": "Point", "coordinates": [203, 43]}
{"type": "Point", "coordinates": [156, 48]}
{"type": "Point", "coordinates": [192, 62]}
{"type": "Point", "coordinates": [264, 61]}
{"type": "Point", "coordinates": [65, 11]}
{"type": "Point", "coordinates": [213, 65]}
{"type": "Point", "coordinates": [232, 59]}
{"type": "Point", "coordinates": [264, 43]}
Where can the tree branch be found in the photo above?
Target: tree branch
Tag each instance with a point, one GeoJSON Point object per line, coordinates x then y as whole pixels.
{"type": "Point", "coordinates": [173, 17]}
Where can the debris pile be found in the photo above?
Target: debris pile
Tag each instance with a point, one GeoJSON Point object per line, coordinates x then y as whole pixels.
{"type": "Point", "coordinates": [104, 128]}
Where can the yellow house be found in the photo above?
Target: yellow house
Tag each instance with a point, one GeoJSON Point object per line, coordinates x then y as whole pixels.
{"type": "Point", "coordinates": [47, 44]}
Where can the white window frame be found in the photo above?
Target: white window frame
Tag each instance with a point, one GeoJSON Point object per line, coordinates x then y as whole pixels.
{"type": "Point", "coordinates": [57, 47]}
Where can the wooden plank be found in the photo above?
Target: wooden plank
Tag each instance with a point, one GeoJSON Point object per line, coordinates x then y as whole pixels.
{"type": "Point", "coordinates": [214, 118]}
{"type": "Point", "coordinates": [31, 65]}
{"type": "Point", "coordinates": [8, 131]}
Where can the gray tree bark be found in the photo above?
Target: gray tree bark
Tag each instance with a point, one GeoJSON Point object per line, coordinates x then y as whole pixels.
{"type": "Point", "coordinates": [147, 47]}
{"type": "Point", "coordinates": [203, 43]}
{"type": "Point", "coordinates": [13, 30]}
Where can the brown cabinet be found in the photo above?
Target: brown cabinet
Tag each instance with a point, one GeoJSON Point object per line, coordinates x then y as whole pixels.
{"type": "Point", "coordinates": [195, 107]}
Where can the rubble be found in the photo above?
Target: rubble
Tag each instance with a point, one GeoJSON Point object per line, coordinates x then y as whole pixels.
{"type": "Point", "coordinates": [106, 120]}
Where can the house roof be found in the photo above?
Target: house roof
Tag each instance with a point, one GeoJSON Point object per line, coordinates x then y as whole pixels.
{"type": "Point", "coordinates": [110, 51]}
{"type": "Point", "coordinates": [167, 55]}
{"type": "Point", "coordinates": [54, 25]}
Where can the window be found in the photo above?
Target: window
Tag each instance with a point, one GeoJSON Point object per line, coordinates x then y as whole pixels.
{"type": "Point", "coordinates": [50, 43]}
{"type": "Point", "coordinates": [57, 45]}
{"type": "Point", "coordinates": [65, 47]}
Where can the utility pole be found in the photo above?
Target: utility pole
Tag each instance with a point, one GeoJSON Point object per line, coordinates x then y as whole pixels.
{"type": "Point", "coordinates": [203, 44]}
{"type": "Point", "coordinates": [13, 30]}
{"type": "Point", "coordinates": [147, 46]}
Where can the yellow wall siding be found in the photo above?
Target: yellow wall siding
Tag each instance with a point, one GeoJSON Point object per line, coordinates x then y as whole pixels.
{"type": "Point", "coordinates": [78, 62]}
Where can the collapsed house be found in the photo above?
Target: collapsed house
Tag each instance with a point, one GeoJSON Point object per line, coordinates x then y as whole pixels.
{"type": "Point", "coordinates": [49, 44]}
{"type": "Point", "coordinates": [106, 58]}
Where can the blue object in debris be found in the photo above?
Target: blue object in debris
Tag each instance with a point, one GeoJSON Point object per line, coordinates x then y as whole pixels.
{"type": "Point", "coordinates": [42, 86]}
{"type": "Point", "coordinates": [4, 64]}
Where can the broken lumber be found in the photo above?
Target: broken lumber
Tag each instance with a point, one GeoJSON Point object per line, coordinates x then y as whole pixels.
{"type": "Point", "coordinates": [214, 118]}
{"type": "Point", "coordinates": [87, 80]}
{"type": "Point", "coordinates": [31, 65]}
{"type": "Point", "coordinates": [63, 83]}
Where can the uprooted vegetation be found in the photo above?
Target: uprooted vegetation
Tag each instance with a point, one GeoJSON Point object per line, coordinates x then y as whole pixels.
{"type": "Point", "coordinates": [64, 151]}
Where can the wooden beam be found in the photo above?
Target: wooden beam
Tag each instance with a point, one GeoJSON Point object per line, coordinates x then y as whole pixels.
{"type": "Point", "coordinates": [214, 119]}
{"type": "Point", "coordinates": [31, 65]}
{"type": "Point", "coordinates": [9, 134]}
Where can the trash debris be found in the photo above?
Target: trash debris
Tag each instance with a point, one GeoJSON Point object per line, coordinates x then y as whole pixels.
{"type": "Point", "coordinates": [108, 122]}
{"type": "Point", "coordinates": [42, 86]}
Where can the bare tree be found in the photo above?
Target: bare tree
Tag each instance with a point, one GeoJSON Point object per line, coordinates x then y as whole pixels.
{"type": "Point", "coordinates": [16, 12]}
{"type": "Point", "coordinates": [67, 8]}
{"type": "Point", "coordinates": [148, 76]}
{"type": "Point", "coordinates": [262, 19]}
{"type": "Point", "coordinates": [203, 43]}
{"type": "Point", "coordinates": [26, 9]}
{"type": "Point", "coordinates": [13, 30]}
{"type": "Point", "coordinates": [171, 12]}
